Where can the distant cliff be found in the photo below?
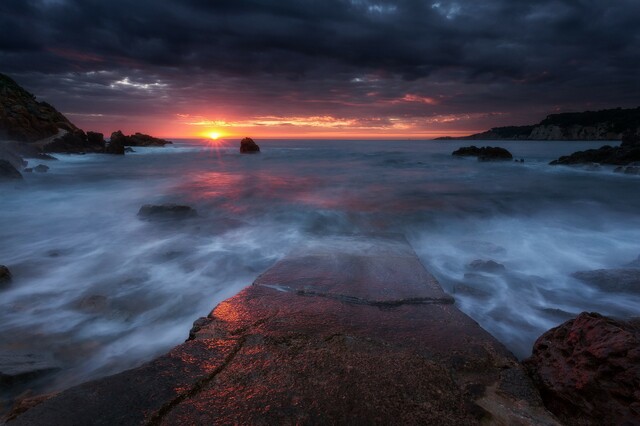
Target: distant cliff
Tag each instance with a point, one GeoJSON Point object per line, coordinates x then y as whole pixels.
{"type": "Point", "coordinates": [608, 124]}
{"type": "Point", "coordinates": [23, 118]}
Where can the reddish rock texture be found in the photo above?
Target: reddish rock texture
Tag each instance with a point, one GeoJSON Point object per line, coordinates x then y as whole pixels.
{"type": "Point", "coordinates": [278, 353]}
{"type": "Point", "coordinates": [588, 371]}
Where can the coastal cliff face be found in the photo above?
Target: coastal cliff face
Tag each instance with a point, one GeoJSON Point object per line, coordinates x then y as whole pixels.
{"type": "Point", "coordinates": [24, 119]}
{"type": "Point", "coordinates": [608, 124]}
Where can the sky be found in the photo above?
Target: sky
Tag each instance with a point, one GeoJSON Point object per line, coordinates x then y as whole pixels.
{"type": "Point", "coordinates": [321, 68]}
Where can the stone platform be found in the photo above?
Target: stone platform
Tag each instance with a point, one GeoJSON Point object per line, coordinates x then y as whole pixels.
{"type": "Point", "coordinates": [352, 330]}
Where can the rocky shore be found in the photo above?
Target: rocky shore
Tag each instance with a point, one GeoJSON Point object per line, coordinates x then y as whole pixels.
{"type": "Point", "coordinates": [355, 330]}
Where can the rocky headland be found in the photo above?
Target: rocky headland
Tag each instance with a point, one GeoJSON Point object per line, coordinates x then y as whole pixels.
{"type": "Point", "coordinates": [33, 129]}
{"type": "Point", "coordinates": [609, 124]}
{"type": "Point", "coordinates": [626, 154]}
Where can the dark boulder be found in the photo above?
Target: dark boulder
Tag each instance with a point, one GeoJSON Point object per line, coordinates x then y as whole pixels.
{"type": "Point", "coordinates": [588, 371]}
{"type": "Point", "coordinates": [129, 149]}
{"type": "Point", "coordinates": [8, 171]}
{"type": "Point", "coordinates": [5, 275]}
{"type": "Point", "coordinates": [486, 266]}
{"type": "Point", "coordinates": [41, 168]}
{"type": "Point", "coordinates": [137, 139]}
{"type": "Point", "coordinates": [96, 140]}
{"type": "Point", "coordinates": [485, 153]}
{"type": "Point", "coordinates": [166, 211]}
{"type": "Point", "coordinates": [116, 144]}
{"type": "Point", "coordinates": [248, 146]}
{"type": "Point", "coordinates": [620, 280]}
{"type": "Point", "coordinates": [76, 142]}
{"type": "Point", "coordinates": [625, 154]}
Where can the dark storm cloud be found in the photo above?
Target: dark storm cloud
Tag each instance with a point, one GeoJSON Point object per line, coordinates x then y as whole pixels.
{"type": "Point", "coordinates": [467, 56]}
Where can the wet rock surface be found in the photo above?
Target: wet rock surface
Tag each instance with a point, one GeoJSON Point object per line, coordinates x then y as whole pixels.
{"type": "Point", "coordinates": [166, 212]}
{"type": "Point", "coordinates": [279, 353]}
{"type": "Point", "coordinates": [490, 266]}
{"type": "Point", "coordinates": [248, 146]}
{"type": "Point", "coordinates": [620, 280]}
{"type": "Point", "coordinates": [485, 153]}
{"type": "Point", "coordinates": [588, 371]}
{"type": "Point", "coordinates": [8, 171]}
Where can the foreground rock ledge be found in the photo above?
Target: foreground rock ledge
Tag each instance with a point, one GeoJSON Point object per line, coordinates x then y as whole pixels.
{"type": "Point", "coordinates": [353, 331]}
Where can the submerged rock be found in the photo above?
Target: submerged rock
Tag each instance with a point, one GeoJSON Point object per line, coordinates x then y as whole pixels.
{"type": "Point", "coordinates": [486, 266]}
{"type": "Point", "coordinates": [166, 211]}
{"type": "Point", "coordinates": [17, 368]}
{"type": "Point", "coordinates": [619, 280]}
{"type": "Point", "coordinates": [588, 370]}
{"type": "Point", "coordinates": [41, 168]}
{"type": "Point", "coordinates": [248, 146]}
{"type": "Point", "coordinates": [8, 171]}
{"type": "Point", "coordinates": [5, 275]}
{"type": "Point", "coordinates": [485, 153]}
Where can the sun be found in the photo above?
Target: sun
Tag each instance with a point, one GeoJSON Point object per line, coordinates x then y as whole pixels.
{"type": "Point", "coordinates": [214, 135]}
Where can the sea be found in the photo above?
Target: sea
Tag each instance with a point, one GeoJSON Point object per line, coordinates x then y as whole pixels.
{"type": "Point", "coordinates": [97, 290]}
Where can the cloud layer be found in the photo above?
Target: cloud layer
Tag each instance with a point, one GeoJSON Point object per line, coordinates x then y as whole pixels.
{"type": "Point", "coordinates": [387, 67]}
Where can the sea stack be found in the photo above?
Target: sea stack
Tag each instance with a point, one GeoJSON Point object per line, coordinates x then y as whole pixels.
{"type": "Point", "coordinates": [248, 146]}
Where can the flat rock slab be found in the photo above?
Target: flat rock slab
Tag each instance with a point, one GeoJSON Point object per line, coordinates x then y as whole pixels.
{"type": "Point", "coordinates": [285, 352]}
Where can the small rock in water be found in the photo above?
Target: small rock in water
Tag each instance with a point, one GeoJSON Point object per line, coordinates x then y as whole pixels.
{"type": "Point", "coordinates": [129, 149]}
{"type": "Point", "coordinates": [5, 275]}
{"type": "Point", "coordinates": [588, 370]}
{"type": "Point", "coordinates": [16, 368]}
{"type": "Point", "coordinates": [41, 168]}
{"type": "Point", "coordinates": [621, 280]}
{"type": "Point", "coordinates": [248, 146]}
{"type": "Point", "coordinates": [485, 153]}
{"type": "Point", "coordinates": [166, 211]}
{"type": "Point", "coordinates": [486, 266]}
{"type": "Point", "coordinates": [92, 304]}
{"type": "Point", "coordinates": [8, 171]}
{"type": "Point", "coordinates": [28, 170]}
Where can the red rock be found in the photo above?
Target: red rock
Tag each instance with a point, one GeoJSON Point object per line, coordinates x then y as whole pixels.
{"type": "Point", "coordinates": [283, 351]}
{"type": "Point", "coordinates": [588, 370]}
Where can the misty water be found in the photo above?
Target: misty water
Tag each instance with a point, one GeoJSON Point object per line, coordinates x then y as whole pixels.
{"type": "Point", "coordinates": [99, 291]}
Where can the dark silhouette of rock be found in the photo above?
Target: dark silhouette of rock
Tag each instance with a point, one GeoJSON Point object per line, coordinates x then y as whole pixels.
{"type": "Point", "coordinates": [5, 275]}
{"type": "Point", "coordinates": [18, 368]}
{"type": "Point", "coordinates": [619, 280]}
{"type": "Point", "coordinates": [41, 168]}
{"type": "Point", "coordinates": [628, 152]}
{"type": "Point", "coordinates": [129, 149]}
{"type": "Point", "coordinates": [166, 211]}
{"type": "Point", "coordinates": [248, 146]}
{"type": "Point", "coordinates": [23, 118]}
{"type": "Point", "coordinates": [8, 171]}
{"type": "Point", "coordinates": [588, 371]}
{"type": "Point", "coordinates": [485, 153]}
{"type": "Point", "coordinates": [77, 142]}
{"type": "Point", "coordinates": [116, 144]}
{"type": "Point", "coordinates": [137, 139]}
{"type": "Point", "coordinates": [487, 266]}
{"type": "Point", "coordinates": [608, 124]}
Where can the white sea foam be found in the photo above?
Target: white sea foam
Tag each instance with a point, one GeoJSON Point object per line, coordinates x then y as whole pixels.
{"type": "Point", "coordinates": [102, 291]}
